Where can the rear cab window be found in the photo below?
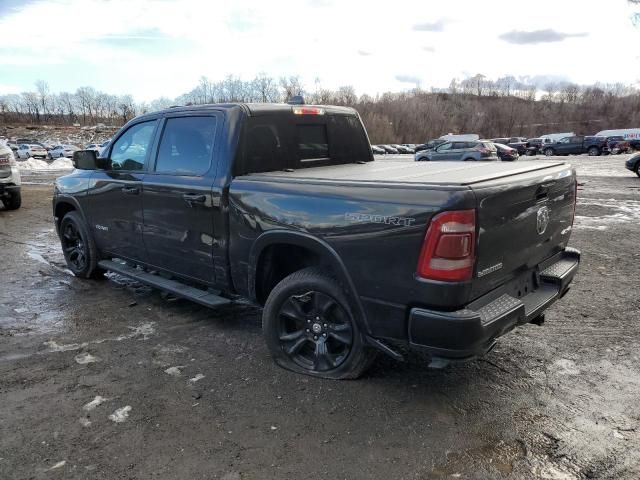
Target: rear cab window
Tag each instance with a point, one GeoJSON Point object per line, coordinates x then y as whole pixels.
{"type": "Point", "coordinates": [283, 140]}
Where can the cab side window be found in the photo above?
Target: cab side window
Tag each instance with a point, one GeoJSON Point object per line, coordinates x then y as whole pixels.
{"type": "Point", "coordinates": [186, 147]}
{"type": "Point", "coordinates": [130, 150]}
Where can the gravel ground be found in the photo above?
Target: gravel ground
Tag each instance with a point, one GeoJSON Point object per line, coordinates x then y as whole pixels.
{"type": "Point", "coordinates": [109, 379]}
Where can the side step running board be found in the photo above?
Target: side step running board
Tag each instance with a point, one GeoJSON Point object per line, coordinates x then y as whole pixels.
{"type": "Point", "coordinates": [180, 290]}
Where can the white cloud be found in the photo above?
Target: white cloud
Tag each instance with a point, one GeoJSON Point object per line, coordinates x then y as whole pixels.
{"type": "Point", "coordinates": [161, 48]}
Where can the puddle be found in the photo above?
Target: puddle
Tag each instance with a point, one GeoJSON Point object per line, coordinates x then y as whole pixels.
{"type": "Point", "coordinates": [499, 456]}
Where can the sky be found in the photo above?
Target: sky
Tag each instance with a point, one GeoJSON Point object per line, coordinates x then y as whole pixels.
{"type": "Point", "coordinates": [161, 48]}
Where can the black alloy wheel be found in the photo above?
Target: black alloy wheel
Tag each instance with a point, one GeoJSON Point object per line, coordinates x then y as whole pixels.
{"type": "Point", "coordinates": [310, 328]}
{"type": "Point", "coordinates": [315, 331]}
{"type": "Point", "coordinates": [78, 247]}
{"type": "Point", "coordinates": [74, 247]}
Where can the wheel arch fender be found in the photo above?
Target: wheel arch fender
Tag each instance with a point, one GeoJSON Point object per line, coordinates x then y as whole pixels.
{"type": "Point", "coordinates": [314, 244]}
{"type": "Point", "coordinates": [63, 200]}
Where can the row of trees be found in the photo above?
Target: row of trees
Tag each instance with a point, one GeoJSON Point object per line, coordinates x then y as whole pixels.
{"type": "Point", "coordinates": [503, 107]}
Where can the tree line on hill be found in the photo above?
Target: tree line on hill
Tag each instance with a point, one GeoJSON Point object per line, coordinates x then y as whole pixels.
{"type": "Point", "coordinates": [491, 108]}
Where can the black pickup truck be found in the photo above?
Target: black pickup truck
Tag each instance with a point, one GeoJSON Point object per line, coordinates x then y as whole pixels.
{"type": "Point", "coordinates": [284, 205]}
{"type": "Point", "coordinates": [576, 145]}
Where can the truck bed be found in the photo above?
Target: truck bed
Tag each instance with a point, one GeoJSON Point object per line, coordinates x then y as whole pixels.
{"type": "Point", "coordinates": [411, 172]}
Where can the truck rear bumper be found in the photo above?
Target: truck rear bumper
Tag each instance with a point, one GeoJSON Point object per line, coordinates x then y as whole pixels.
{"type": "Point", "coordinates": [472, 331]}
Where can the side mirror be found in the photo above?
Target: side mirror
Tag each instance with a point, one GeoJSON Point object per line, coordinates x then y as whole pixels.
{"type": "Point", "coordinates": [85, 160]}
{"type": "Point", "coordinates": [89, 160]}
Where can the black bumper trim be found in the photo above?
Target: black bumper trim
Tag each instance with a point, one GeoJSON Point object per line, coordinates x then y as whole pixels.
{"type": "Point", "coordinates": [472, 331]}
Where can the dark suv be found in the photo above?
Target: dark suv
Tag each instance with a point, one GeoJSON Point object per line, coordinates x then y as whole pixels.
{"type": "Point", "coordinates": [456, 151]}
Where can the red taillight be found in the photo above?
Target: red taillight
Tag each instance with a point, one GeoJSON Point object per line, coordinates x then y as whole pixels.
{"type": "Point", "coordinates": [448, 250]}
{"type": "Point", "coordinates": [308, 111]}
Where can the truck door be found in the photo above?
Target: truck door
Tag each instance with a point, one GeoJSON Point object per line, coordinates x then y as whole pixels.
{"type": "Point", "coordinates": [114, 197]}
{"type": "Point", "coordinates": [177, 197]}
{"type": "Point", "coordinates": [564, 145]}
{"type": "Point", "coordinates": [576, 145]}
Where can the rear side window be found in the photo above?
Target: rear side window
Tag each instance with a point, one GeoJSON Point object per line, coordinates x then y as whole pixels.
{"type": "Point", "coordinates": [186, 146]}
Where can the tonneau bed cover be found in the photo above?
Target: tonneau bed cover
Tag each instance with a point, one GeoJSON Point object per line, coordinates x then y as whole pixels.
{"type": "Point", "coordinates": [442, 173]}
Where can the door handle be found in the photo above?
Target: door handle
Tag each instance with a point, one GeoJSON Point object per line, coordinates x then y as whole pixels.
{"type": "Point", "coordinates": [192, 198]}
{"type": "Point", "coordinates": [131, 190]}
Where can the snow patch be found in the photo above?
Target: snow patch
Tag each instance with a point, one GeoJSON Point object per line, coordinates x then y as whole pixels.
{"type": "Point", "coordinates": [59, 465]}
{"type": "Point", "coordinates": [84, 358]}
{"type": "Point", "coordinates": [120, 415]}
{"type": "Point", "coordinates": [566, 367]}
{"type": "Point", "coordinates": [197, 378]}
{"type": "Point", "coordinates": [143, 330]}
{"type": "Point", "coordinates": [35, 164]}
{"type": "Point", "coordinates": [61, 164]}
{"type": "Point", "coordinates": [174, 371]}
{"type": "Point", "coordinates": [94, 403]}
{"type": "Point", "coordinates": [84, 421]}
{"type": "Point", "coordinates": [56, 347]}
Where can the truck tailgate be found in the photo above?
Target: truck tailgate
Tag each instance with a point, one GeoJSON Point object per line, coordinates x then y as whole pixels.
{"type": "Point", "coordinates": [522, 220]}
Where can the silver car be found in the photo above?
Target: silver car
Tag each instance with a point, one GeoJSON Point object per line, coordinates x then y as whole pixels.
{"type": "Point", "coordinates": [478, 150]}
{"type": "Point", "coordinates": [60, 151]}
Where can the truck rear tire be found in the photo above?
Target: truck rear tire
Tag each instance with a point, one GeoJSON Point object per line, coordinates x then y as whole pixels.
{"type": "Point", "coordinates": [78, 247]}
{"type": "Point", "coordinates": [309, 327]}
{"type": "Point", "coordinates": [549, 152]}
{"type": "Point", "coordinates": [638, 169]}
{"type": "Point", "coordinates": [14, 201]}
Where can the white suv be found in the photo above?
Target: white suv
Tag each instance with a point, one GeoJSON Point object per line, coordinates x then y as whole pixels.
{"type": "Point", "coordinates": [9, 179]}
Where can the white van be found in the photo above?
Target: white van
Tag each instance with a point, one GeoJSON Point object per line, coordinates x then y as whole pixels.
{"type": "Point", "coordinates": [626, 133]}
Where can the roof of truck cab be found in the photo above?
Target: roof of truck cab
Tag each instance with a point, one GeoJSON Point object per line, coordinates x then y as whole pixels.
{"type": "Point", "coordinates": [412, 172]}
{"type": "Point", "coordinates": [257, 109]}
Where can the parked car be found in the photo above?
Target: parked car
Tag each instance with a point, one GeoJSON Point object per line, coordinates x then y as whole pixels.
{"type": "Point", "coordinates": [633, 164]}
{"type": "Point", "coordinates": [481, 150]}
{"type": "Point", "coordinates": [506, 153]}
{"type": "Point", "coordinates": [617, 144]}
{"type": "Point", "coordinates": [431, 144]}
{"type": "Point", "coordinates": [389, 149]}
{"type": "Point", "coordinates": [402, 148]}
{"type": "Point", "coordinates": [96, 147]}
{"type": "Point", "coordinates": [60, 151]}
{"type": "Point", "coordinates": [518, 143]}
{"type": "Point", "coordinates": [534, 146]}
{"type": "Point", "coordinates": [27, 150]}
{"type": "Point", "coordinates": [378, 150]}
{"type": "Point", "coordinates": [9, 179]}
{"type": "Point", "coordinates": [348, 258]}
{"type": "Point", "coordinates": [577, 144]}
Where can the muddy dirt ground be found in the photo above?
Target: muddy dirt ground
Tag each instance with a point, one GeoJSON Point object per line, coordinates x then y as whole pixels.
{"type": "Point", "coordinates": [109, 379]}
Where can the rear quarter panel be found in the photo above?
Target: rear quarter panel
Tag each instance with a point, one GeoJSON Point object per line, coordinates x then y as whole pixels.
{"type": "Point", "coordinates": [377, 231]}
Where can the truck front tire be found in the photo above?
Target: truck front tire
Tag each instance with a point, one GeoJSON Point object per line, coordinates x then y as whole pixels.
{"type": "Point", "coordinates": [78, 247]}
{"type": "Point", "coordinates": [309, 327]}
{"type": "Point", "coordinates": [593, 151]}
